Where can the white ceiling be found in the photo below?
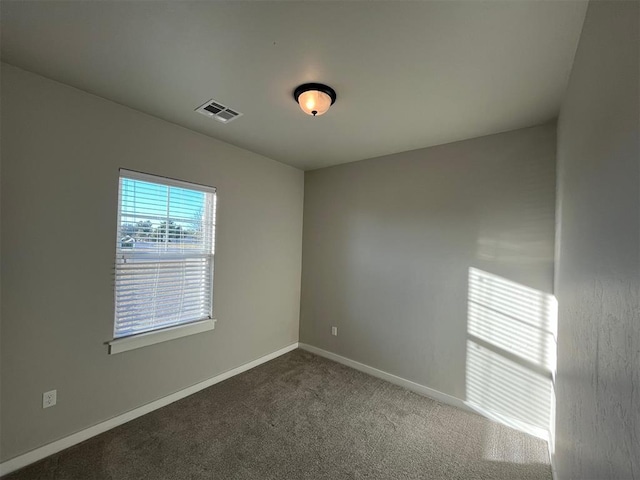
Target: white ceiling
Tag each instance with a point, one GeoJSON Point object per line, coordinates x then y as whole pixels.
{"type": "Point", "coordinates": [408, 74]}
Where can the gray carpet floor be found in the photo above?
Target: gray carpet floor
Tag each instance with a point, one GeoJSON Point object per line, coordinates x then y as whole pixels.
{"type": "Point", "coordinates": [301, 416]}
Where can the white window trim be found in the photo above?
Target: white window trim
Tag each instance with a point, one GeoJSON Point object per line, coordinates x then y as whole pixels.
{"type": "Point", "coordinates": [172, 182]}
{"type": "Point", "coordinates": [132, 342]}
{"type": "Point", "coordinates": [140, 340]}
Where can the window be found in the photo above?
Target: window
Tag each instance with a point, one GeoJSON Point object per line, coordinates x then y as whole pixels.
{"type": "Point", "coordinates": [164, 255]}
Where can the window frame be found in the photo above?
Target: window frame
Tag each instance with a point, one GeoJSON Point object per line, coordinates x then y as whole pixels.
{"type": "Point", "coordinates": [165, 333]}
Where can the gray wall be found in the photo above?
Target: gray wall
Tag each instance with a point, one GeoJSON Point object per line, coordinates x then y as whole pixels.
{"type": "Point", "coordinates": [598, 272]}
{"type": "Point", "coordinates": [389, 243]}
{"type": "Point", "coordinates": [61, 150]}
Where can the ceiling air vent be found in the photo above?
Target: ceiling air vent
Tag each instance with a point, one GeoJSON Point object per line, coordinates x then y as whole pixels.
{"type": "Point", "coordinates": [222, 113]}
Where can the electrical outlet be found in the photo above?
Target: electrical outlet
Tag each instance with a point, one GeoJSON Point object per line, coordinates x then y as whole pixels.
{"type": "Point", "coordinates": [334, 331]}
{"type": "Point", "coordinates": [49, 398]}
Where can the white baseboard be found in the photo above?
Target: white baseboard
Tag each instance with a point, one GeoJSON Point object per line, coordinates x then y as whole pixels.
{"type": "Point", "coordinates": [431, 393]}
{"type": "Point", "coordinates": [66, 442]}
{"type": "Point", "coordinates": [408, 384]}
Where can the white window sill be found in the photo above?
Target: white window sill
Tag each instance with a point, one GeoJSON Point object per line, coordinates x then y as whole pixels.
{"type": "Point", "coordinates": [124, 344]}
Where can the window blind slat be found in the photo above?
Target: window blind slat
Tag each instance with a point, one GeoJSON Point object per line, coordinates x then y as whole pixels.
{"type": "Point", "coordinates": [195, 310]}
{"type": "Point", "coordinates": [144, 281]}
{"type": "Point", "coordinates": [151, 264]}
{"type": "Point", "coordinates": [128, 305]}
{"type": "Point", "coordinates": [161, 277]}
{"type": "Point", "coordinates": [144, 318]}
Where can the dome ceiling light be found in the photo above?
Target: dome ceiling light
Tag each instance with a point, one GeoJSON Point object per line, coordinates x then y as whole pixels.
{"type": "Point", "coordinates": [314, 98]}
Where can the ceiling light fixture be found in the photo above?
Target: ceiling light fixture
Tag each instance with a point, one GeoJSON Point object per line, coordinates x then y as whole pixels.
{"type": "Point", "coordinates": [314, 98]}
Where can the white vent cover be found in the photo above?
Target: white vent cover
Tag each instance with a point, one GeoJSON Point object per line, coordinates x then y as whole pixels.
{"type": "Point", "coordinates": [220, 112]}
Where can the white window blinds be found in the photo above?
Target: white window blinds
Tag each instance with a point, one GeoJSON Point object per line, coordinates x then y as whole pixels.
{"type": "Point", "coordinates": [164, 253]}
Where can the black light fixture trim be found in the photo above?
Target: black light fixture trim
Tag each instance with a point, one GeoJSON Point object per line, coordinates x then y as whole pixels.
{"type": "Point", "coordinates": [320, 87]}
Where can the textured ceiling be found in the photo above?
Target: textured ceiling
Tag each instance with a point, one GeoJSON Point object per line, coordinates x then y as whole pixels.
{"type": "Point", "coordinates": [408, 74]}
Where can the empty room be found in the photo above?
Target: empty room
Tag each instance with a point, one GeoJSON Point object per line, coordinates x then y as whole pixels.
{"type": "Point", "coordinates": [320, 240]}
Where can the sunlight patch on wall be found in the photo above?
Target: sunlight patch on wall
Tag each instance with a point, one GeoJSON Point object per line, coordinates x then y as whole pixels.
{"type": "Point", "coordinates": [501, 385]}
{"type": "Point", "coordinates": [513, 317]}
{"type": "Point", "coordinates": [511, 351]}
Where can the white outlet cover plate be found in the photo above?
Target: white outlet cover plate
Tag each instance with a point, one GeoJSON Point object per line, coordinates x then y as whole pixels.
{"type": "Point", "coordinates": [49, 398]}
